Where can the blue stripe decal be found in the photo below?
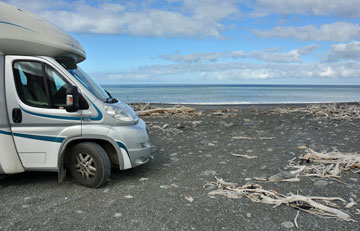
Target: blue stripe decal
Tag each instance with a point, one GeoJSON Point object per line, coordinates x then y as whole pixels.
{"type": "Point", "coordinates": [5, 132]}
{"type": "Point", "coordinates": [43, 138]}
{"type": "Point", "coordinates": [51, 116]}
{"type": "Point", "coordinates": [13, 24]}
{"type": "Point", "coordinates": [121, 145]}
{"type": "Point", "coordinates": [35, 137]}
{"type": "Point", "coordinates": [98, 118]}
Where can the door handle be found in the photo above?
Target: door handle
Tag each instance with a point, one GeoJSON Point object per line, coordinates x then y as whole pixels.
{"type": "Point", "coordinates": [17, 115]}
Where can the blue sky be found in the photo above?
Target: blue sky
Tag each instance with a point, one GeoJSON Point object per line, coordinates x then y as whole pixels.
{"type": "Point", "coordinates": [212, 41]}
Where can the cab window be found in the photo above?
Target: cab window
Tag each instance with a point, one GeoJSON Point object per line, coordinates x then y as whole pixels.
{"type": "Point", "coordinates": [40, 85]}
{"type": "Point", "coordinates": [57, 85]}
{"type": "Point", "coordinates": [30, 83]}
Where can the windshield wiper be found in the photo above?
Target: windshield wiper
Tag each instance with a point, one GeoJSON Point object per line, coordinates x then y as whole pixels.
{"type": "Point", "coordinates": [110, 99]}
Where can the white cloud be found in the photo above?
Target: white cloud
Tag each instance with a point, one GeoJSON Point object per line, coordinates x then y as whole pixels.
{"type": "Point", "coordinates": [343, 8]}
{"type": "Point", "coordinates": [195, 19]}
{"type": "Point", "coordinates": [270, 55]}
{"type": "Point", "coordinates": [239, 71]}
{"type": "Point", "coordinates": [336, 32]}
{"type": "Point", "coordinates": [342, 51]}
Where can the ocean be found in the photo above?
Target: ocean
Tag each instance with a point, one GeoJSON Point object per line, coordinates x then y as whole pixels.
{"type": "Point", "coordinates": [234, 94]}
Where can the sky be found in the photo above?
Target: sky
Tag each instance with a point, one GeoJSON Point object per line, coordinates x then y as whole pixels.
{"type": "Point", "coordinates": [212, 41]}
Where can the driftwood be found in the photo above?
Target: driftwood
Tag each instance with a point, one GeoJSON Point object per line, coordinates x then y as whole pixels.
{"type": "Point", "coordinates": [326, 165]}
{"type": "Point", "coordinates": [244, 156]}
{"type": "Point", "coordinates": [320, 206]}
{"type": "Point", "coordinates": [317, 164]}
{"type": "Point", "coordinates": [251, 138]}
{"type": "Point", "coordinates": [172, 110]}
{"type": "Point", "coordinates": [334, 111]}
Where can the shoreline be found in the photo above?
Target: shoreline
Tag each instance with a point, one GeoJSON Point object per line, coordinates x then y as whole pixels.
{"type": "Point", "coordinates": [223, 106]}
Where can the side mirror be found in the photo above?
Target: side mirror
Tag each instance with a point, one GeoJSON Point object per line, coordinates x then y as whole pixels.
{"type": "Point", "coordinates": [72, 99]}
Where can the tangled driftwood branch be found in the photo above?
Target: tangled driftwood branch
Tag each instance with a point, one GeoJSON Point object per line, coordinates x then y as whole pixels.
{"type": "Point", "coordinates": [321, 206]}
{"type": "Point", "coordinates": [326, 165]}
{"type": "Point", "coordinates": [147, 109]}
{"type": "Point", "coordinates": [331, 111]}
{"type": "Point", "coordinates": [318, 164]}
{"type": "Point", "coordinates": [173, 110]}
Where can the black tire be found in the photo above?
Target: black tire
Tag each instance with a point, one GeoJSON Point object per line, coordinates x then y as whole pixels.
{"type": "Point", "coordinates": [89, 164]}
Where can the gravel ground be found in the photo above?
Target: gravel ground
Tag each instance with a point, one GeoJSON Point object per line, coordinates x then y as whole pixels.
{"type": "Point", "coordinates": [190, 151]}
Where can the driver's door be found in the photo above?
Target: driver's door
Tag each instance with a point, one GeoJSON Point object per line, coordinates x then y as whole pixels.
{"type": "Point", "coordinates": [36, 96]}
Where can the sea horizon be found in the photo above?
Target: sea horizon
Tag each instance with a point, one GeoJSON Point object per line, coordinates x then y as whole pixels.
{"type": "Point", "coordinates": [233, 94]}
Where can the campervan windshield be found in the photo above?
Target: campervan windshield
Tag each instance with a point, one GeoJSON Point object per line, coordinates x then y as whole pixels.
{"type": "Point", "coordinates": [90, 84]}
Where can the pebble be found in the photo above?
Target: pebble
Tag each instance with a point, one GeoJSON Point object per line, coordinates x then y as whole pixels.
{"type": "Point", "coordinates": [128, 197]}
{"type": "Point", "coordinates": [180, 126]}
{"type": "Point", "coordinates": [210, 187]}
{"type": "Point", "coordinates": [174, 159]}
{"type": "Point", "coordinates": [209, 173]}
{"type": "Point", "coordinates": [165, 126]}
{"type": "Point", "coordinates": [321, 183]}
{"type": "Point", "coordinates": [80, 212]}
{"type": "Point", "coordinates": [118, 215]}
{"type": "Point", "coordinates": [269, 149]}
{"type": "Point", "coordinates": [165, 186]}
{"type": "Point", "coordinates": [263, 167]}
{"type": "Point", "coordinates": [287, 224]}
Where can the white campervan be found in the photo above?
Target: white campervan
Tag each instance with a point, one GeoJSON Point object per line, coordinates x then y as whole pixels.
{"type": "Point", "coordinates": [53, 116]}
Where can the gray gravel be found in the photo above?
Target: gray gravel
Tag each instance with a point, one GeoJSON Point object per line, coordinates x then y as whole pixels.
{"type": "Point", "coordinates": [168, 194]}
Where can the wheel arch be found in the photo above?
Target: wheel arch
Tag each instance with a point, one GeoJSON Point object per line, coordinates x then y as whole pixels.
{"type": "Point", "coordinates": [106, 143]}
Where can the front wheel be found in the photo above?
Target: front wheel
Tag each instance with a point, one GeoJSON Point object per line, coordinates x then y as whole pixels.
{"type": "Point", "coordinates": [89, 164]}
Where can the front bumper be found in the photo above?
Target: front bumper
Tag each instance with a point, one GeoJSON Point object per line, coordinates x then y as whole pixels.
{"type": "Point", "coordinates": [133, 144]}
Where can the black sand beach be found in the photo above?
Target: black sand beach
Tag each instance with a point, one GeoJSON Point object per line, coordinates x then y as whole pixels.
{"type": "Point", "coordinates": [189, 151]}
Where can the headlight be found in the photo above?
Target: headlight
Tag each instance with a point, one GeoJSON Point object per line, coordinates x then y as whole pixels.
{"type": "Point", "coordinates": [121, 111]}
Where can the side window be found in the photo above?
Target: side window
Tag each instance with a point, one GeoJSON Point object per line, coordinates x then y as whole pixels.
{"type": "Point", "coordinates": [30, 85]}
{"type": "Point", "coordinates": [57, 85]}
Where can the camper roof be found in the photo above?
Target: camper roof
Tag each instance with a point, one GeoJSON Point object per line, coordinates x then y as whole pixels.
{"type": "Point", "coordinates": [23, 33]}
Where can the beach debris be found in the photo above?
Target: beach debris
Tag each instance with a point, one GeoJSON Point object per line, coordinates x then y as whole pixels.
{"type": "Point", "coordinates": [320, 206]}
{"type": "Point", "coordinates": [173, 110]}
{"type": "Point", "coordinates": [335, 111]}
{"type": "Point", "coordinates": [143, 179]}
{"type": "Point", "coordinates": [326, 164]}
{"type": "Point", "coordinates": [190, 199]}
{"type": "Point", "coordinates": [251, 138]}
{"type": "Point", "coordinates": [143, 109]}
{"type": "Point", "coordinates": [244, 156]}
{"type": "Point", "coordinates": [318, 164]}
{"type": "Point", "coordinates": [129, 197]}
{"type": "Point", "coordinates": [209, 173]}
{"type": "Point", "coordinates": [350, 204]}
{"type": "Point", "coordinates": [225, 112]}
{"type": "Point", "coordinates": [295, 219]}
{"type": "Point", "coordinates": [241, 138]}
{"type": "Point", "coordinates": [266, 138]}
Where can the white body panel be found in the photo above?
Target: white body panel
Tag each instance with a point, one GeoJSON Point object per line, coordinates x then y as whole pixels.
{"type": "Point", "coordinates": [39, 136]}
{"type": "Point", "coordinates": [23, 33]}
{"type": "Point", "coordinates": [9, 160]}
